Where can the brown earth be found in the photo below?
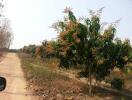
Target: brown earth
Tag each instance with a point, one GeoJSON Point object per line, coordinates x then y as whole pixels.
{"type": "Point", "coordinates": [10, 68]}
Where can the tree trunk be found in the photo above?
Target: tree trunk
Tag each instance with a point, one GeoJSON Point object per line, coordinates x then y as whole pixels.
{"type": "Point", "coordinates": [90, 82]}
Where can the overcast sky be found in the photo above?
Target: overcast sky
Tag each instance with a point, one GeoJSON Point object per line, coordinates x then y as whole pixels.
{"type": "Point", "coordinates": [30, 19]}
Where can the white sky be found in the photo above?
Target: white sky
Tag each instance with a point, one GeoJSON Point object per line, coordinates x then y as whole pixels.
{"type": "Point", "coordinates": [30, 19]}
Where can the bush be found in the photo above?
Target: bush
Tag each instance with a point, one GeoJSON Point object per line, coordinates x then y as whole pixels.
{"type": "Point", "coordinates": [117, 83]}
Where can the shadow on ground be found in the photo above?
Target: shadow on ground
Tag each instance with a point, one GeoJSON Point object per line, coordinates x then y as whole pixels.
{"type": "Point", "coordinates": [109, 93]}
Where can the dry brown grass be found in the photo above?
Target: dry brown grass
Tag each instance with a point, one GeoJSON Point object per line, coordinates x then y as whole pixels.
{"type": "Point", "coordinates": [51, 85]}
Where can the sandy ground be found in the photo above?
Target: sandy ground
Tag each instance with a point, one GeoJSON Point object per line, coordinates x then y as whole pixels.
{"type": "Point", "coordinates": [10, 68]}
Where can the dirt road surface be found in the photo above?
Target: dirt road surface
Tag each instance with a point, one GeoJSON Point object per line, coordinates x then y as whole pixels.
{"type": "Point", "coordinates": [10, 68]}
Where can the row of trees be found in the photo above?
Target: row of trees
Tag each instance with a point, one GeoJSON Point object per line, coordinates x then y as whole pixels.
{"type": "Point", "coordinates": [86, 42]}
{"type": "Point", "coordinates": [47, 49]}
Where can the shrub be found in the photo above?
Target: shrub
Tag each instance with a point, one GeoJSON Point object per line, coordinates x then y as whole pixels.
{"type": "Point", "coordinates": [117, 83]}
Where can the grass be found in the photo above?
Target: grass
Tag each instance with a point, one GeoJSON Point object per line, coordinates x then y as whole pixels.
{"type": "Point", "coordinates": [45, 81]}
{"type": "Point", "coordinates": [34, 70]}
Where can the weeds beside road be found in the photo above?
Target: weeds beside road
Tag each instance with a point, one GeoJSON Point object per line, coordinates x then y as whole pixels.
{"type": "Point", "coordinates": [48, 83]}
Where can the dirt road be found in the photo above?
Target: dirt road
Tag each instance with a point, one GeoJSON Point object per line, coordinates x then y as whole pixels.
{"type": "Point", "coordinates": [10, 68]}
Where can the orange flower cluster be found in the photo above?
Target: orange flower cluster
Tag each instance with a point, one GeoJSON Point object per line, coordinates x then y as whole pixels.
{"type": "Point", "coordinates": [49, 48]}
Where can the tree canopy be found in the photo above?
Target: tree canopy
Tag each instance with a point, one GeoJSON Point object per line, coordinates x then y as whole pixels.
{"type": "Point", "coordinates": [84, 42]}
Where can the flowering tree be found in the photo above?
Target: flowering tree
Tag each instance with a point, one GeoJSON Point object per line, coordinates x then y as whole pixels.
{"type": "Point", "coordinates": [82, 41]}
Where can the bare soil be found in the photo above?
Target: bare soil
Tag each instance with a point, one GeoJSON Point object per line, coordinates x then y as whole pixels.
{"type": "Point", "coordinates": [10, 68]}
